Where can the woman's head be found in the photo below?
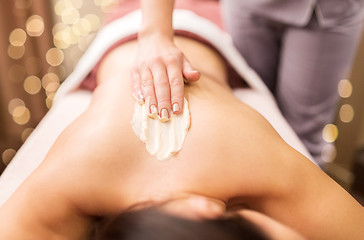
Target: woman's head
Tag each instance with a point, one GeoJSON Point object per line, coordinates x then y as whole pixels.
{"type": "Point", "coordinates": [194, 217]}
{"type": "Point", "coordinates": [154, 224]}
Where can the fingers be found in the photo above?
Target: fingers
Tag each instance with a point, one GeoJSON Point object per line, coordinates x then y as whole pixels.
{"type": "Point", "coordinates": [189, 73]}
{"type": "Point", "coordinates": [176, 83]}
{"type": "Point", "coordinates": [135, 86]}
{"type": "Point", "coordinates": [163, 83]}
{"type": "Point", "coordinates": [162, 89]}
{"type": "Point", "coordinates": [158, 75]}
{"type": "Point", "coordinates": [147, 87]}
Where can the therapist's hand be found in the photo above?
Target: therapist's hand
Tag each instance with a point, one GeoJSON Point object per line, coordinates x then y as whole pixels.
{"type": "Point", "coordinates": [159, 73]}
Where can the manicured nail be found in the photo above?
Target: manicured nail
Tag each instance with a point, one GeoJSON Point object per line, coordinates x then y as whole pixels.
{"type": "Point", "coordinates": [140, 96]}
{"type": "Point", "coordinates": [175, 107]}
{"type": "Point", "coordinates": [153, 109]}
{"type": "Point", "coordinates": [164, 114]}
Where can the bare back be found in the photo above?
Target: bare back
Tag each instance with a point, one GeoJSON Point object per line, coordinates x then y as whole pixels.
{"type": "Point", "coordinates": [224, 135]}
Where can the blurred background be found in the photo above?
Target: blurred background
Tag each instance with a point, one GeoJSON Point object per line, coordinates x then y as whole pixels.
{"type": "Point", "coordinates": [42, 40]}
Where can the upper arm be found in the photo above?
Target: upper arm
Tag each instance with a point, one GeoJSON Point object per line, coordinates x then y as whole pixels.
{"type": "Point", "coordinates": [303, 197]}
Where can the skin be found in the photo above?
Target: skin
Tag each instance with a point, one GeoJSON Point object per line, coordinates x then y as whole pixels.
{"type": "Point", "coordinates": [99, 167]}
{"type": "Point", "coordinates": [159, 71]}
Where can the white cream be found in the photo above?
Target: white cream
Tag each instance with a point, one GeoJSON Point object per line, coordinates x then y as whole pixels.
{"type": "Point", "coordinates": [162, 138]}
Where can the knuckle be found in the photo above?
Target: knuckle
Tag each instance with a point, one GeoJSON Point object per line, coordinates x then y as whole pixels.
{"type": "Point", "coordinates": [174, 81]}
{"type": "Point", "coordinates": [154, 60]}
{"type": "Point", "coordinates": [178, 54]}
{"type": "Point", "coordinates": [171, 59]}
{"type": "Point", "coordinates": [161, 82]}
{"type": "Point", "coordinates": [147, 82]}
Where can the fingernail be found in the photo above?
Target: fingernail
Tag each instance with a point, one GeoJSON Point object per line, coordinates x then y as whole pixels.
{"type": "Point", "coordinates": [175, 107]}
{"type": "Point", "coordinates": [164, 114]}
{"type": "Point", "coordinates": [153, 109]}
{"type": "Point", "coordinates": [140, 96]}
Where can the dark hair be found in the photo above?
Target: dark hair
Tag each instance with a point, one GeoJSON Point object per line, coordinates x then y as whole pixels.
{"type": "Point", "coordinates": [153, 224]}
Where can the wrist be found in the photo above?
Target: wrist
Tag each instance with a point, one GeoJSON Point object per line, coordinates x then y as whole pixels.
{"type": "Point", "coordinates": [147, 33]}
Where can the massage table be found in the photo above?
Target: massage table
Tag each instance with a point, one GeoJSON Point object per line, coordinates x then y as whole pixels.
{"type": "Point", "coordinates": [71, 101]}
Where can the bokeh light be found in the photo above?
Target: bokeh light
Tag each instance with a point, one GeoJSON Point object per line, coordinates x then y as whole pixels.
{"type": "Point", "coordinates": [62, 39]}
{"type": "Point", "coordinates": [77, 3]}
{"type": "Point", "coordinates": [16, 52]}
{"type": "Point", "coordinates": [21, 115]}
{"type": "Point", "coordinates": [49, 100]}
{"type": "Point", "coordinates": [72, 35]}
{"type": "Point", "coordinates": [345, 88]}
{"type": "Point", "coordinates": [106, 5]}
{"type": "Point", "coordinates": [58, 27]}
{"type": "Point", "coordinates": [18, 111]}
{"type": "Point", "coordinates": [15, 102]}
{"type": "Point", "coordinates": [61, 6]}
{"type": "Point", "coordinates": [17, 37]}
{"type": "Point", "coordinates": [94, 21]}
{"type": "Point", "coordinates": [330, 133]}
{"type": "Point", "coordinates": [49, 78]}
{"type": "Point", "coordinates": [328, 153]}
{"type": "Point", "coordinates": [54, 56]}
{"type": "Point", "coordinates": [346, 113]}
{"type": "Point", "coordinates": [25, 134]}
{"type": "Point", "coordinates": [7, 155]}
{"type": "Point", "coordinates": [35, 26]}
{"type": "Point", "coordinates": [70, 15]}
{"type": "Point", "coordinates": [60, 71]}
{"type": "Point", "coordinates": [32, 85]}
{"type": "Point", "coordinates": [82, 27]}
{"type": "Point", "coordinates": [52, 87]}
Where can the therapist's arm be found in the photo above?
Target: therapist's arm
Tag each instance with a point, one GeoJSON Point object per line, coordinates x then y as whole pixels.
{"type": "Point", "coordinates": [160, 66]}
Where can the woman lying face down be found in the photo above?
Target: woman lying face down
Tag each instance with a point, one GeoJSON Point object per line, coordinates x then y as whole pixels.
{"type": "Point", "coordinates": [232, 159]}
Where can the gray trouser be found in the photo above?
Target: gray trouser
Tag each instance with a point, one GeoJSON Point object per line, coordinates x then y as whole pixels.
{"type": "Point", "coordinates": [301, 65]}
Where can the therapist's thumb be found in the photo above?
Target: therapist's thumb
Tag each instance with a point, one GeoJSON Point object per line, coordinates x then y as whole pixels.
{"type": "Point", "coordinates": [190, 74]}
